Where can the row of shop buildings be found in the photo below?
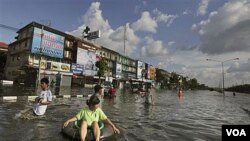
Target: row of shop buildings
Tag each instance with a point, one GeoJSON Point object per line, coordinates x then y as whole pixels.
{"type": "Point", "coordinates": [67, 60]}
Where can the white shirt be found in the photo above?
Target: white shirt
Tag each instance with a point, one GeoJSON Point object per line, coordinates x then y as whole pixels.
{"type": "Point", "coordinates": [41, 109]}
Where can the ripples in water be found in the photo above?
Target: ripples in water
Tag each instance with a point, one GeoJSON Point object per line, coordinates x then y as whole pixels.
{"type": "Point", "coordinates": [196, 117]}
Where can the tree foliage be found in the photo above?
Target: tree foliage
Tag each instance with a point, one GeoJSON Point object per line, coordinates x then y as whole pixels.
{"type": "Point", "coordinates": [174, 81]}
{"type": "Point", "coordinates": [102, 66]}
{"type": "Point", "coordinates": [240, 88]}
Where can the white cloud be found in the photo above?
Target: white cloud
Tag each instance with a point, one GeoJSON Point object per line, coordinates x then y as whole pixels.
{"type": "Point", "coordinates": [145, 23]}
{"type": "Point", "coordinates": [192, 63]}
{"type": "Point", "coordinates": [237, 67]}
{"type": "Point", "coordinates": [110, 38]}
{"type": "Point", "coordinates": [226, 30]}
{"type": "Point", "coordinates": [153, 48]}
{"type": "Point", "coordinates": [202, 10]}
{"type": "Point", "coordinates": [94, 19]}
{"type": "Point", "coordinates": [165, 18]}
{"type": "Point", "coordinates": [118, 37]}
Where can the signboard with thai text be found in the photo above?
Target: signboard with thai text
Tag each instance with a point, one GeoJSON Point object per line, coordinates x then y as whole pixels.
{"type": "Point", "coordinates": [52, 44]}
{"type": "Point", "coordinates": [77, 69]}
{"type": "Point", "coordinates": [94, 35]}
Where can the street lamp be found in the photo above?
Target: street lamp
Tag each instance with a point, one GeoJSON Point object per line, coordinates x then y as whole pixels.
{"type": "Point", "coordinates": [222, 69]}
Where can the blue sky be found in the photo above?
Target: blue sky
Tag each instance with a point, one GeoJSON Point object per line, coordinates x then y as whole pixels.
{"type": "Point", "coordinates": [177, 35]}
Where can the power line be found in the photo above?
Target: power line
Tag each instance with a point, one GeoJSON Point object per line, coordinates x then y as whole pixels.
{"type": "Point", "coordinates": [8, 27]}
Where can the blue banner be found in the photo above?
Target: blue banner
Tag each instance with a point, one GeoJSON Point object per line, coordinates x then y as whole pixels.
{"type": "Point", "coordinates": [77, 69]}
{"type": "Point", "coordinates": [52, 44]}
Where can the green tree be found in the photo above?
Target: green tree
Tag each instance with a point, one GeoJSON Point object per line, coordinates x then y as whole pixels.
{"type": "Point", "coordinates": [193, 83]}
{"type": "Point", "coordinates": [102, 66]}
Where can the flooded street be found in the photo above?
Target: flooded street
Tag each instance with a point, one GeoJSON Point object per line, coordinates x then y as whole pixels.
{"type": "Point", "coordinates": [197, 116]}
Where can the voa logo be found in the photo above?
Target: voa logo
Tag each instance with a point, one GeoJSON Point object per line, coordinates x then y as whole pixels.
{"type": "Point", "coordinates": [236, 132]}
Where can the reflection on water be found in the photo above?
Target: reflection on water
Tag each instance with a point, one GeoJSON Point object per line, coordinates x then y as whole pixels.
{"type": "Point", "coordinates": [198, 115]}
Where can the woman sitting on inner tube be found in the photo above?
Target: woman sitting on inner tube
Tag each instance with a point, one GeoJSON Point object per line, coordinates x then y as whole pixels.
{"type": "Point", "coordinates": [90, 116]}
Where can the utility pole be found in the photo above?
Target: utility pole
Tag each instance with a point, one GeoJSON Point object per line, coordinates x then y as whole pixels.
{"type": "Point", "coordinates": [125, 38]}
{"type": "Point", "coordinates": [141, 54]}
{"type": "Point", "coordinates": [222, 71]}
{"type": "Point", "coordinates": [40, 58]}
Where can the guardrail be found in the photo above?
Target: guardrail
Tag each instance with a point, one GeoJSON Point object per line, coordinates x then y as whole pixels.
{"type": "Point", "coordinates": [30, 98]}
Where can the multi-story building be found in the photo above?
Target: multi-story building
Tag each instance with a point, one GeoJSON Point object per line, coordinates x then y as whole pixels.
{"type": "Point", "coordinates": [111, 57]}
{"type": "Point", "coordinates": [121, 68]}
{"type": "Point", "coordinates": [38, 52]}
{"type": "Point", "coordinates": [83, 62]}
{"type": "Point", "coordinates": [128, 68]}
{"type": "Point", "coordinates": [41, 51]}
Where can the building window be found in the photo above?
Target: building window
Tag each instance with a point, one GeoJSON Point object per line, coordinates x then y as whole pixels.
{"type": "Point", "coordinates": [67, 43]}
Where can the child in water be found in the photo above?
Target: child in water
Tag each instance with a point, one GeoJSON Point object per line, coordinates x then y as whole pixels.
{"type": "Point", "coordinates": [44, 99]}
{"type": "Point", "coordinates": [149, 98]}
{"type": "Point", "coordinates": [90, 116]}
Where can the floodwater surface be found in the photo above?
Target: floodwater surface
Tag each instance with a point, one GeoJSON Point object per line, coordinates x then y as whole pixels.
{"type": "Point", "coordinates": [197, 116]}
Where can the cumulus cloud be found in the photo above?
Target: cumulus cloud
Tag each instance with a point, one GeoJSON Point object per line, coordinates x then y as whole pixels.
{"type": "Point", "coordinates": [202, 10]}
{"type": "Point", "coordinates": [237, 67]}
{"type": "Point", "coordinates": [130, 37]}
{"type": "Point", "coordinates": [227, 29]}
{"type": "Point", "coordinates": [110, 38]}
{"type": "Point", "coordinates": [153, 48]}
{"type": "Point", "coordinates": [145, 23]}
{"type": "Point", "coordinates": [165, 18]}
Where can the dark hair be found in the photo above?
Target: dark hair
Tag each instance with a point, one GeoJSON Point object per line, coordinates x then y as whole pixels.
{"type": "Point", "coordinates": [45, 80]}
{"type": "Point", "coordinates": [97, 88]}
{"type": "Point", "coordinates": [93, 100]}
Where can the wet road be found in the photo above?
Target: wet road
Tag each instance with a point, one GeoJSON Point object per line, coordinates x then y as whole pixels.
{"type": "Point", "coordinates": [198, 115]}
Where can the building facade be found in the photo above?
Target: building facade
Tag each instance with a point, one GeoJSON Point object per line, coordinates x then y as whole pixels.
{"type": "Point", "coordinates": [3, 57]}
{"type": "Point", "coordinates": [41, 51]}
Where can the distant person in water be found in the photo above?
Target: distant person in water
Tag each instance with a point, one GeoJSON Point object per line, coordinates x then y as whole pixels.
{"type": "Point", "coordinates": [233, 93]}
{"type": "Point", "coordinates": [99, 93]}
{"type": "Point", "coordinates": [89, 117]}
{"type": "Point", "coordinates": [148, 94]}
{"type": "Point", "coordinates": [180, 92]}
{"type": "Point", "coordinates": [44, 98]}
{"type": "Point", "coordinates": [112, 91]}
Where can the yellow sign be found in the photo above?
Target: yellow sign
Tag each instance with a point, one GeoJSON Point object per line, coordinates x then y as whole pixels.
{"type": "Point", "coordinates": [43, 64]}
{"type": "Point", "coordinates": [152, 72]}
{"type": "Point", "coordinates": [64, 67]}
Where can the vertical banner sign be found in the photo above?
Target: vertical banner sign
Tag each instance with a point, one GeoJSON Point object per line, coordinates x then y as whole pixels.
{"type": "Point", "coordinates": [151, 72]}
{"type": "Point", "coordinates": [118, 70]}
{"type": "Point", "coordinates": [140, 67]}
{"type": "Point", "coordinates": [87, 59]}
{"type": "Point", "coordinates": [52, 44]}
